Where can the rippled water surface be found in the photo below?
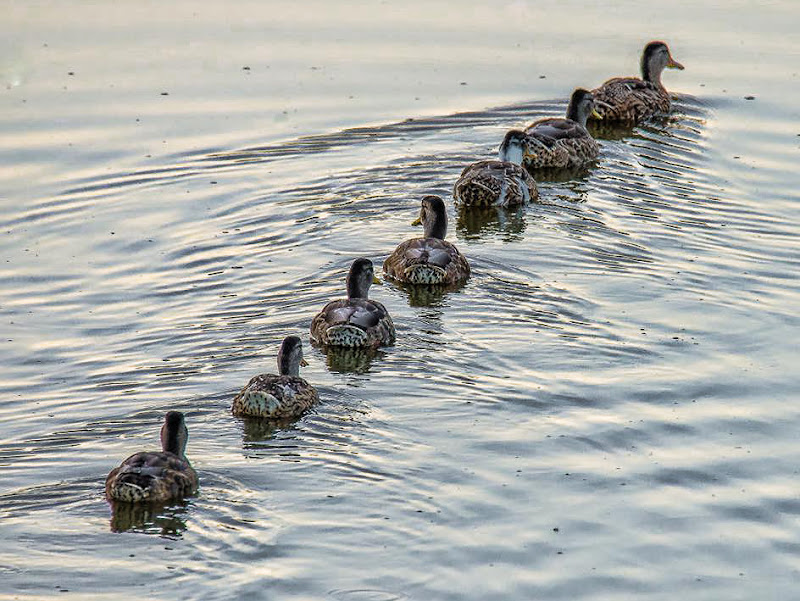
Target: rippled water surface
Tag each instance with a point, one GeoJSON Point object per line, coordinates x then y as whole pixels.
{"type": "Point", "coordinates": [605, 411]}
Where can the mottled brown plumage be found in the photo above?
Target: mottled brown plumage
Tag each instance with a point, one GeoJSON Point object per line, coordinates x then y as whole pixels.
{"type": "Point", "coordinates": [156, 476]}
{"type": "Point", "coordinates": [557, 143]}
{"type": "Point", "coordinates": [355, 321]}
{"type": "Point", "coordinates": [430, 260]}
{"type": "Point", "coordinates": [282, 396]}
{"type": "Point", "coordinates": [502, 182]}
{"type": "Point", "coordinates": [630, 100]}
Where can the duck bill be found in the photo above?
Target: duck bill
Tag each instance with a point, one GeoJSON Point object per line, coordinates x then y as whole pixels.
{"type": "Point", "coordinates": [375, 280]}
{"type": "Point", "coordinates": [673, 64]}
{"type": "Point", "coordinates": [417, 221]}
{"type": "Point", "coordinates": [303, 363]}
{"type": "Point", "coordinates": [596, 115]}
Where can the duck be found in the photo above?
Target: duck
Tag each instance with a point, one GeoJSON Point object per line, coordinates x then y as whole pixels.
{"type": "Point", "coordinates": [356, 321]}
{"type": "Point", "coordinates": [556, 143]}
{"type": "Point", "coordinates": [156, 476]}
{"type": "Point", "coordinates": [630, 100]}
{"type": "Point", "coordinates": [430, 260]}
{"type": "Point", "coordinates": [282, 396]}
{"type": "Point", "coordinates": [502, 182]}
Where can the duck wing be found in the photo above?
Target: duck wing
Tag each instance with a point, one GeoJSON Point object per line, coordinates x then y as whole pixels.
{"type": "Point", "coordinates": [493, 182]}
{"type": "Point", "coordinates": [629, 99]}
{"type": "Point", "coordinates": [427, 261]}
{"type": "Point", "coordinates": [550, 131]}
{"type": "Point", "coordinates": [357, 311]}
{"type": "Point", "coordinates": [151, 477]}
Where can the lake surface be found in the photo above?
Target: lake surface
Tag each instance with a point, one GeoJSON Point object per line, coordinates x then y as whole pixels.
{"type": "Point", "coordinates": [605, 411]}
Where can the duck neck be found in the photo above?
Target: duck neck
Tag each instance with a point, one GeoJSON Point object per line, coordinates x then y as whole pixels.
{"type": "Point", "coordinates": [172, 445]}
{"type": "Point", "coordinates": [357, 287]}
{"type": "Point", "coordinates": [436, 226]}
{"type": "Point", "coordinates": [289, 364]}
{"type": "Point", "coordinates": [511, 154]}
{"type": "Point", "coordinates": [173, 439]}
{"type": "Point", "coordinates": [650, 73]}
{"type": "Point", "coordinates": [574, 113]}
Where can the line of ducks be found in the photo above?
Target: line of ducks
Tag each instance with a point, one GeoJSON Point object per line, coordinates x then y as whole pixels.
{"type": "Point", "coordinates": [360, 322]}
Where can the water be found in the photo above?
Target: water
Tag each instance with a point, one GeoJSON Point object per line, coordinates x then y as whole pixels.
{"type": "Point", "coordinates": [605, 411]}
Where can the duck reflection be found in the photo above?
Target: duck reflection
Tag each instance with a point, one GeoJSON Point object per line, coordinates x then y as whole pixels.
{"type": "Point", "coordinates": [259, 429]}
{"type": "Point", "coordinates": [657, 124]}
{"type": "Point", "coordinates": [478, 222]}
{"type": "Point", "coordinates": [162, 520]}
{"type": "Point", "coordinates": [351, 360]}
{"type": "Point", "coordinates": [565, 175]}
{"type": "Point", "coordinates": [427, 296]}
{"type": "Point", "coordinates": [607, 130]}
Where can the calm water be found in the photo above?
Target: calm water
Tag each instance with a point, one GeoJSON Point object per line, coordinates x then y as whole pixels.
{"type": "Point", "coordinates": [605, 411]}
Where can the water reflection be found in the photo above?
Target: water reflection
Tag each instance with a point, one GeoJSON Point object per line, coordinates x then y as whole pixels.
{"type": "Point", "coordinates": [351, 360]}
{"type": "Point", "coordinates": [168, 521]}
{"type": "Point", "coordinates": [614, 132]}
{"type": "Point", "coordinates": [477, 222]}
{"type": "Point", "coordinates": [367, 595]}
{"type": "Point", "coordinates": [560, 176]}
{"type": "Point", "coordinates": [259, 429]}
{"type": "Point", "coordinates": [606, 130]}
{"type": "Point", "coordinates": [427, 296]}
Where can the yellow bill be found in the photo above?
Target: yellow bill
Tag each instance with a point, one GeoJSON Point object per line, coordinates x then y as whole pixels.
{"type": "Point", "coordinates": [673, 64]}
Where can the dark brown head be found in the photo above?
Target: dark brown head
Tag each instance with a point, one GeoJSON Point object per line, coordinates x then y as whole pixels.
{"type": "Point", "coordinates": [174, 433]}
{"type": "Point", "coordinates": [360, 278]}
{"type": "Point", "coordinates": [290, 357]}
{"type": "Point", "coordinates": [433, 217]}
{"type": "Point", "coordinates": [581, 105]}
{"type": "Point", "coordinates": [655, 58]}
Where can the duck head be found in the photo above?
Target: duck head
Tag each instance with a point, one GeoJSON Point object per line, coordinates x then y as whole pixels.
{"type": "Point", "coordinates": [360, 277]}
{"type": "Point", "coordinates": [174, 433]}
{"type": "Point", "coordinates": [433, 217]}
{"type": "Point", "coordinates": [581, 106]}
{"type": "Point", "coordinates": [290, 357]}
{"type": "Point", "coordinates": [655, 58]}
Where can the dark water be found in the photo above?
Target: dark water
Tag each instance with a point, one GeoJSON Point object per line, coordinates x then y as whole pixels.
{"type": "Point", "coordinates": [605, 411]}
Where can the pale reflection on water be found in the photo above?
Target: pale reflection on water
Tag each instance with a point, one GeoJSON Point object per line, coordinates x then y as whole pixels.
{"type": "Point", "coordinates": [604, 410]}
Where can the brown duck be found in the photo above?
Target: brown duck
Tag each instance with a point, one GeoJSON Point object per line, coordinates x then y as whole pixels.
{"type": "Point", "coordinates": [282, 396]}
{"type": "Point", "coordinates": [156, 477]}
{"type": "Point", "coordinates": [558, 143]}
{"type": "Point", "coordinates": [502, 182]}
{"type": "Point", "coordinates": [430, 260]}
{"type": "Point", "coordinates": [357, 321]}
{"type": "Point", "coordinates": [630, 100]}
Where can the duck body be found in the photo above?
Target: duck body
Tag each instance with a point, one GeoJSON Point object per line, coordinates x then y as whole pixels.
{"type": "Point", "coordinates": [563, 143]}
{"type": "Point", "coordinates": [278, 396]}
{"type": "Point", "coordinates": [500, 182]}
{"type": "Point", "coordinates": [430, 260]}
{"type": "Point", "coordinates": [630, 100]}
{"type": "Point", "coordinates": [353, 322]}
{"type": "Point", "coordinates": [156, 476]}
{"type": "Point", "coordinates": [151, 477]}
{"type": "Point", "coordinates": [427, 261]}
{"type": "Point", "coordinates": [357, 321]}
{"type": "Point", "coordinates": [275, 397]}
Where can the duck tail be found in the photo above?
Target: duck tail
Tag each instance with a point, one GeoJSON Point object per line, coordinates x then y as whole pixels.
{"type": "Point", "coordinates": [127, 489]}
{"type": "Point", "coordinates": [425, 273]}
{"type": "Point", "coordinates": [346, 335]}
